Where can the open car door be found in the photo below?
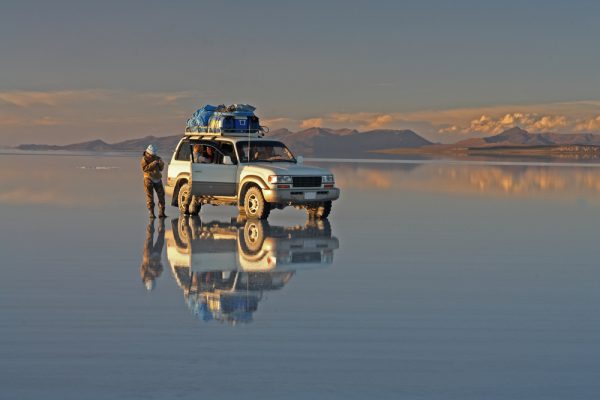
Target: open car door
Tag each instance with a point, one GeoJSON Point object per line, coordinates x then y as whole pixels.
{"type": "Point", "coordinates": [216, 178]}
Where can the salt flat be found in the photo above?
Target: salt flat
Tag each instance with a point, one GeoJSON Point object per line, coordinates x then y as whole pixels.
{"type": "Point", "coordinates": [435, 281]}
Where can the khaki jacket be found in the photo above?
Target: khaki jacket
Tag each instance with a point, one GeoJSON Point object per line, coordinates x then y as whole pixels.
{"type": "Point", "coordinates": [152, 165]}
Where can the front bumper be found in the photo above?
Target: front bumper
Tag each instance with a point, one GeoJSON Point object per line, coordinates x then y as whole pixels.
{"type": "Point", "coordinates": [298, 195]}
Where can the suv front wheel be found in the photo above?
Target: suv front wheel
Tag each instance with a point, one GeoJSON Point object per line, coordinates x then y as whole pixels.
{"type": "Point", "coordinates": [255, 205]}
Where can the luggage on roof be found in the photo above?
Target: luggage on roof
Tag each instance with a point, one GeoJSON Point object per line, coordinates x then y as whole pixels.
{"type": "Point", "coordinates": [236, 119]}
{"type": "Point", "coordinates": [201, 116]}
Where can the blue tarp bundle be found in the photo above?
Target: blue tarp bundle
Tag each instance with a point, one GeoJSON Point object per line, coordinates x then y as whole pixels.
{"type": "Point", "coordinates": [201, 117]}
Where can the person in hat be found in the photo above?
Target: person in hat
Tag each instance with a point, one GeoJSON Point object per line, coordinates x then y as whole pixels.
{"type": "Point", "coordinates": [152, 165]}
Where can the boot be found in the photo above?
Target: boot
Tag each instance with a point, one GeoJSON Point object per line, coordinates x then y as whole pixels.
{"type": "Point", "coordinates": [161, 212]}
{"type": "Point", "coordinates": [151, 213]}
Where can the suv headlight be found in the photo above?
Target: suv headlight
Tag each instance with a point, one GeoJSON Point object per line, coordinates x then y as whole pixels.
{"type": "Point", "coordinates": [327, 179]}
{"type": "Point", "coordinates": [280, 179]}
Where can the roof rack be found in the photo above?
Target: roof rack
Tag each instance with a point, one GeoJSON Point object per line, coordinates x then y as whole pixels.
{"type": "Point", "coordinates": [223, 132]}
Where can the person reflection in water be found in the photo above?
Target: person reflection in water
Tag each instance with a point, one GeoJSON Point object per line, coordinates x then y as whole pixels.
{"type": "Point", "coordinates": [151, 267]}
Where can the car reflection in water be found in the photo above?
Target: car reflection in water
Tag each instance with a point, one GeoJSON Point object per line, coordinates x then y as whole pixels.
{"type": "Point", "coordinates": [224, 269]}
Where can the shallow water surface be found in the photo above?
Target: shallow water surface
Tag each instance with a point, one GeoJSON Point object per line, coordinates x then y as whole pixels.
{"type": "Point", "coordinates": [429, 281]}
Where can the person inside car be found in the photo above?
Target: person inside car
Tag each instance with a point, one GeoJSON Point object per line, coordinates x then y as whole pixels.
{"type": "Point", "coordinates": [209, 155]}
{"type": "Point", "coordinates": [197, 153]}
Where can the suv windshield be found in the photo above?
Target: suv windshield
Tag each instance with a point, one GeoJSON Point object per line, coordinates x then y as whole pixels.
{"type": "Point", "coordinates": [264, 151]}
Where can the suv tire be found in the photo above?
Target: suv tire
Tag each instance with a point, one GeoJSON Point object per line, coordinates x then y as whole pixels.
{"type": "Point", "coordinates": [194, 207]}
{"type": "Point", "coordinates": [255, 205]}
{"type": "Point", "coordinates": [254, 233]}
{"type": "Point", "coordinates": [320, 211]}
{"type": "Point", "coordinates": [184, 199]}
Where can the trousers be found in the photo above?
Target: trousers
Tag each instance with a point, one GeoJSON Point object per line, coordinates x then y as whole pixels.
{"type": "Point", "coordinates": [151, 187]}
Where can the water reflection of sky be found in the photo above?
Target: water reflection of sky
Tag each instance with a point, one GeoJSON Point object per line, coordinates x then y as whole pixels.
{"type": "Point", "coordinates": [67, 181]}
{"type": "Point", "coordinates": [60, 181]}
{"type": "Point", "coordinates": [485, 180]}
{"type": "Point", "coordinates": [450, 281]}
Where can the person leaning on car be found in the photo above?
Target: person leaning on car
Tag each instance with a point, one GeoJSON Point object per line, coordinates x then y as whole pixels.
{"type": "Point", "coordinates": [152, 165]}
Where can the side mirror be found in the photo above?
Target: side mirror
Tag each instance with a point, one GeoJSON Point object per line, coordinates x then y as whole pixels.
{"type": "Point", "coordinates": [299, 159]}
{"type": "Point", "coordinates": [227, 160]}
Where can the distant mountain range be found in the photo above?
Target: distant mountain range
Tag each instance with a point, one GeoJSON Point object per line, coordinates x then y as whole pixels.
{"type": "Point", "coordinates": [164, 143]}
{"type": "Point", "coordinates": [324, 142]}
{"type": "Point", "coordinates": [519, 137]}
{"type": "Point", "coordinates": [310, 142]}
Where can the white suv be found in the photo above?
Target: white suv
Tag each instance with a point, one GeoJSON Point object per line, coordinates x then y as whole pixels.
{"type": "Point", "coordinates": [253, 173]}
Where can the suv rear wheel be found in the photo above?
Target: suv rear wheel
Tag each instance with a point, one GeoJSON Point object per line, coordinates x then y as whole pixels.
{"type": "Point", "coordinates": [255, 205]}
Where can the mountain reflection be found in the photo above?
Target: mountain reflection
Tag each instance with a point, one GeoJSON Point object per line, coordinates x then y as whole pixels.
{"type": "Point", "coordinates": [224, 269]}
{"type": "Point", "coordinates": [492, 180]}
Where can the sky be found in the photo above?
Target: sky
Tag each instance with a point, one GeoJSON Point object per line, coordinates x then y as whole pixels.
{"type": "Point", "coordinates": [76, 70]}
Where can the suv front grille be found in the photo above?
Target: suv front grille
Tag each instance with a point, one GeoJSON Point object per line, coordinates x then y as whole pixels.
{"type": "Point", "coordinates": [306, 181]}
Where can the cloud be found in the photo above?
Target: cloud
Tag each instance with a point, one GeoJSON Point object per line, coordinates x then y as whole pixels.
{"type": "Point", "coordinates": [589, 125]}
{"type": "Point", "coordinates": [361, 120]}
{"type": "Point", "coordinates": [312, 122]}
{"type": "Point", "coordinates": [280, 122]}
{"type": "Point", "coordinates": [22, 98]}
{"type": "Point", "coordinates": [49, 121]}
{"type": "Point", "coordinates": [366, 120]}
{"type": "Point", "coordinates": [65, 116]}
{"type": "Point", "coordinates": [453, 124]}
{"type": "Point", "coordinates": [10, 121]}
{"type": "Point", "coordinates": [170, 97]}
{"type": "Point", "coordinates": [529, 121]}
{"type": "Point", "coordinates": [28, 99]}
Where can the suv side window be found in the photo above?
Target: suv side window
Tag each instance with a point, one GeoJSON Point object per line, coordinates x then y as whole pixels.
{"type": "Point", "coordinates": [184, 151]}
{"type": "Point", "coordinates": [228, 150]}
{"type": "Point", "coordinates": [217, 158]}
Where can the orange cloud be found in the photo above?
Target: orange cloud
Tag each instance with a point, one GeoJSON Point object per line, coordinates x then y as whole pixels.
{"type": "Point", "coordinates": [528, 121]}
{"type": "Point", "coordinates": [116, 114]}
{"type": "Point", "coordinates": [10, 121]}
{"type": "Point", "coordinates": [557, 117]}
{"type": "Point", "coordinates": [281, 122]}
{"type": "Point", "coordinates": [22, 98]}
{"type": "Point", "coordinates": [169, 97]}
{"type": "Point", "coordinates": [65, 116]}
{"type": "Point", "coordinates": [49, 121]}
{"type": "Point", "coordinates": [589, 125]}
{"type": "Point", "coordinates": [364, 120]}
{"type": "Point", "coordinates": [312, 123]}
